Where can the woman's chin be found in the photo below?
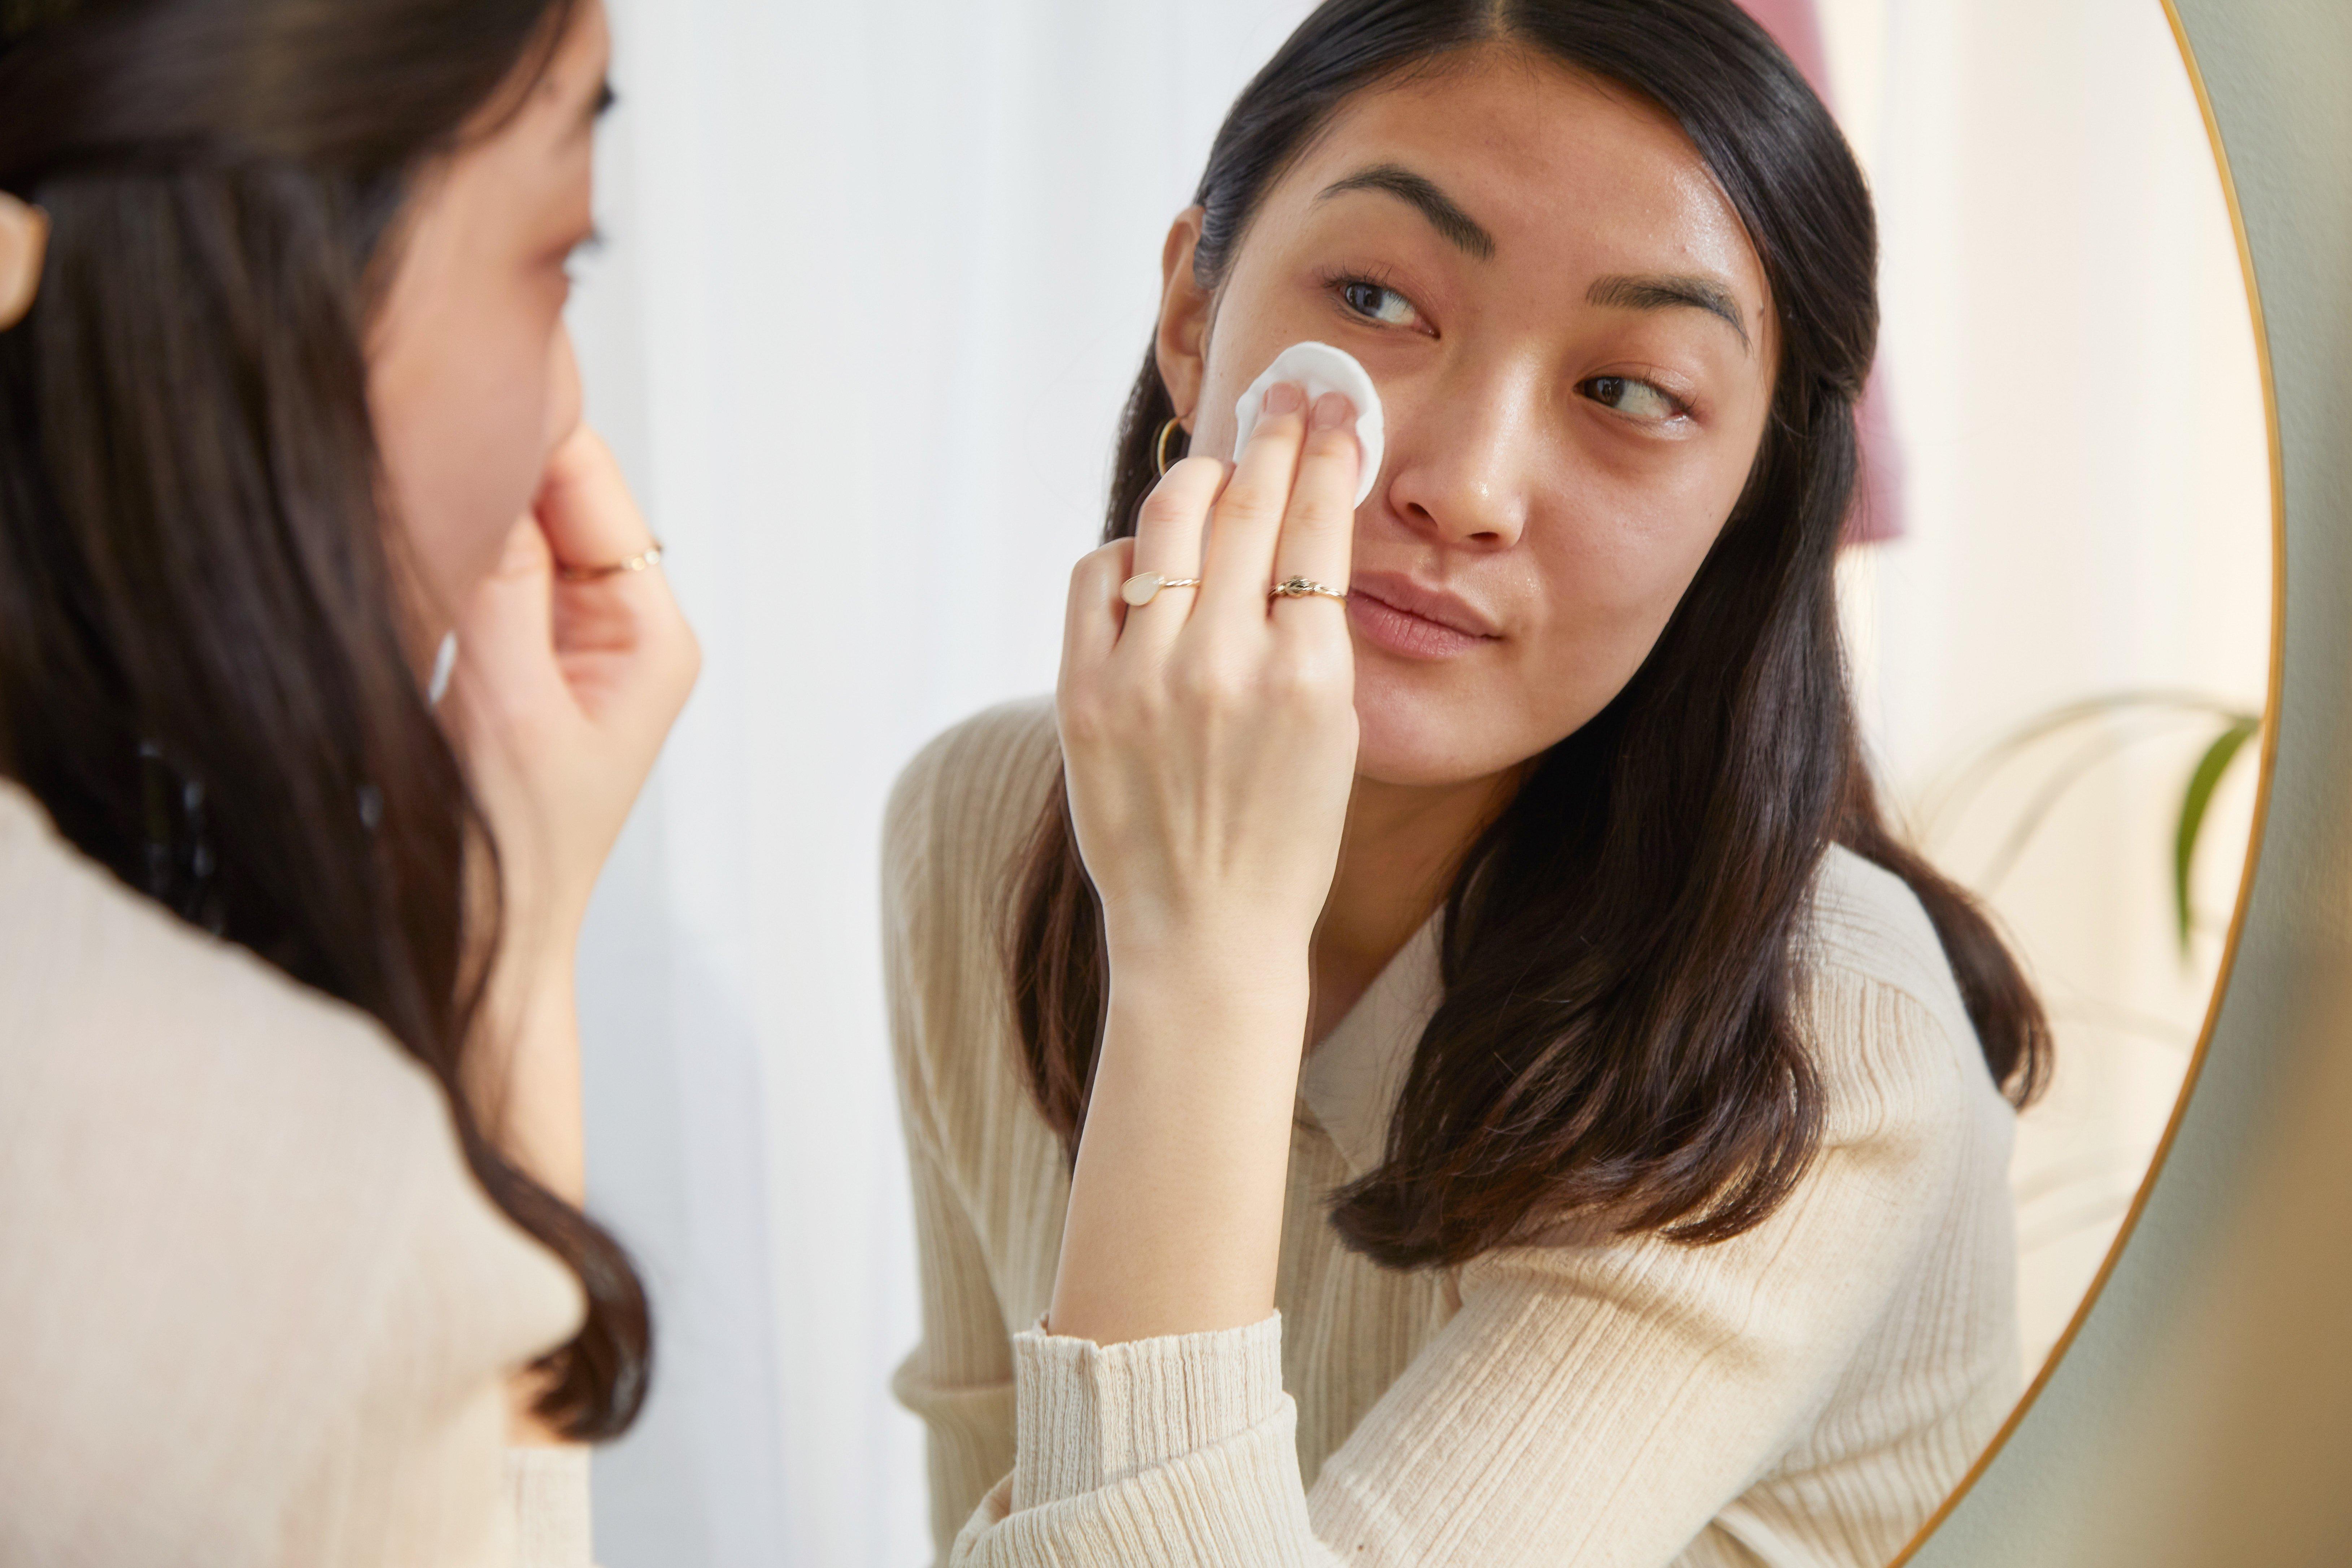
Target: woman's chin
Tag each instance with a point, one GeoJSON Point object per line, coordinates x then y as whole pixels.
{"type": "Point", "coordinates": [1425, 728]}
{"type": "Point", "coordinates": [1416, 739]}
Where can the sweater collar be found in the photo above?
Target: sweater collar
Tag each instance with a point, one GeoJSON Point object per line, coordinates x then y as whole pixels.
{"type": "Point", "coordinates": [1352, 1077]}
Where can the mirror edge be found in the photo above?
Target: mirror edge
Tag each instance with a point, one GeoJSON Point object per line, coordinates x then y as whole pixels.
{"type": "Point", "coordinates": [2163, 1426]}
{"type": "Point", "coordinates": [2268, 762]}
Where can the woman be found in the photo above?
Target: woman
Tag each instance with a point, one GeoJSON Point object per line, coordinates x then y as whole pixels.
{"type": "Point", "coordinates": [289, 1070]}
{"type": "Point", "coordinates": [1640, 1197]}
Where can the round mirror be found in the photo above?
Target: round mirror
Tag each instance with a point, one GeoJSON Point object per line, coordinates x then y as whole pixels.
{"type": "Point", "coordinates": [875, 288]}
{"type": "Point", "coordinates": [2067, 651]}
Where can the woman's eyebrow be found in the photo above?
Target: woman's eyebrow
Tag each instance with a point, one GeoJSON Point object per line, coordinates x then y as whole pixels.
{"type": "Point", "coordinates": [1444, 216]}
{"type": "Point", "coordinates": [1666, 291]}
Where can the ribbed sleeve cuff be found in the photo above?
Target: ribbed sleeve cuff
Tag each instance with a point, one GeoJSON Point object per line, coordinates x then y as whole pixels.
{"type": "Point", "coordinates": [549, 1488]}
{"type": "Point", "coordinates": [1090, 1415]}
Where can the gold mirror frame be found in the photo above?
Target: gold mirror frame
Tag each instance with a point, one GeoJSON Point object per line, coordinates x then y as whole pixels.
{"type": "Point", "coordinates": [2198, 1408]}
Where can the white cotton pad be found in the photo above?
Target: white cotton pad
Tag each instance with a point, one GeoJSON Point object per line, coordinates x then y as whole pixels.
{"type": "Point", "coordinates": [1320, 368]}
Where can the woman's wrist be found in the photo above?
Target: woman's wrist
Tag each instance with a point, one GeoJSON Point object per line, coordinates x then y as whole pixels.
{"type": "Point", "coordinates": [1230, 939]}
{"type": "Point", "coordinates": [526, 1077]}
{"type": "Point", "coordinates": [1235, 976]}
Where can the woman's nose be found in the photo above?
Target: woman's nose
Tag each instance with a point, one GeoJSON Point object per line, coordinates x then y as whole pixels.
{"type": "Point", "coordinates": [1458, 464]}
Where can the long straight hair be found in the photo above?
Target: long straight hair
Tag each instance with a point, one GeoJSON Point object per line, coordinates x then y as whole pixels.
{"type": "Point", "coordinates": [204, 675]}
{"type": "Point", "coordinates": [1622, 948]}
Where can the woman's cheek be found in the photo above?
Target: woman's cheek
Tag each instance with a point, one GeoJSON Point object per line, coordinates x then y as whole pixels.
{"type": "Point", "coordinates": [463, 466]}
{"type": "Point", "coordinates": [1645, 542]}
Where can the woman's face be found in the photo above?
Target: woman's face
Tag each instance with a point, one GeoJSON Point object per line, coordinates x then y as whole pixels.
{"type": "Point", "coordinates": [470, 376]}
{"type": "Point", "coordinates": [1575, 352]}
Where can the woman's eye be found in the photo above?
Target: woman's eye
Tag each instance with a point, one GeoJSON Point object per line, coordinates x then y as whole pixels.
{"type": "Point", "coordinates": [1378, 303]}
{"type": "Point", "coordinates": [1632, 397]}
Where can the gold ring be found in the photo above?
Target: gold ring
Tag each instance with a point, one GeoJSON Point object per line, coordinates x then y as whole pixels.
{"type": "Point", "coordinates": [1144, 586]}
{"type": "Point", "coordinates": [637, 562]}
{"type": "Point", "coordinates": [1304, 587]}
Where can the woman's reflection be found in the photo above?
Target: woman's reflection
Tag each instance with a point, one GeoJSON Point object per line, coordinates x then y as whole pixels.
{"type": "Point", "coordinates": [1645, 1198]}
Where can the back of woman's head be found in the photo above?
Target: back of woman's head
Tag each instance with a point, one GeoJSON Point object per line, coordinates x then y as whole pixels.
{"type": "Point", "coordinates": [206, 652]}
{"type": "Point", "coordinates": [1623, 948]}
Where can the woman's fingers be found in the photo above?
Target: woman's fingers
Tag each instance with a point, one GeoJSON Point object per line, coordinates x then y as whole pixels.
{"type": "Point", "coordinates": [1319, 531]}
{"type": "Point", "coordinates": [506, 681]}
{"type": "Point", "coordinates": [1090, 625]}
{"type": "Point", "coordinates": [564, 690]}
{"type": "Point", "coordinates": [586, 506]}
{"type": "Point", "coordinates": [618, 634]}
{"type": "Point", "coordinates": [1169, 533]}
{"type": "Point", "coordinates": [1210, 750]}
{"type": "Point", "coordinates": [1239, 565]}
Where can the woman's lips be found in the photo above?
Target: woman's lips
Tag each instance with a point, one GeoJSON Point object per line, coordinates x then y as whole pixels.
{"type": "Point", "coordinates": [1403, 618]}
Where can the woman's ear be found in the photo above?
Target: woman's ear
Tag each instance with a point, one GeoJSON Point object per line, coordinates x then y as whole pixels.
{"type": "Point", "coordinates": [1183, 344]}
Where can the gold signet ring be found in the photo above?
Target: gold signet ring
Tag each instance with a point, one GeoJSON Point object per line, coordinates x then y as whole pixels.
{"type": "Point", "coordinates": [1144, 586]}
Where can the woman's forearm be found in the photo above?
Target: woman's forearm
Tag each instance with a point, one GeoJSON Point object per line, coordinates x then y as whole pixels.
{"type": "Point", "coordinates": [540, 1101]}
{"type": "Point", "coordinates": [1175, 1215]}
{"type": "Point", "coordinates": [1208, 733]}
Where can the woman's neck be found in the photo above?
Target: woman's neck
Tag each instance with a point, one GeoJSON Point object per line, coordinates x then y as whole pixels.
{"type": "Point", "coordinates": [1404, 842]}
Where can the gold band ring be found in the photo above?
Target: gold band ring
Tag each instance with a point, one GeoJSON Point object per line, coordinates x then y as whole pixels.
{"type": "Point", "coordinates": [637, 562]}
{"type": "Point", "coordinates": [1144, 586]}
{"type": "Point", "coordinates": [1304, 589]}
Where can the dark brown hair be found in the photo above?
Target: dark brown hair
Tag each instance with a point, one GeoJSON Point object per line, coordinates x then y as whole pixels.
{"type": "Point", "coordinates": [1622, 948]}
{"type": "Point", "coordinates": [202, 666]}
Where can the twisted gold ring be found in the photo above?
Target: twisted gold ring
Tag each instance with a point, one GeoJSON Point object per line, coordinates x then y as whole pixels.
{"type": "Point", "coordinates": [1144, 586]}
{"type": "Point", "coordinates": [1304, 587]}
{"type": "Point", "coordinates": [650, 556]}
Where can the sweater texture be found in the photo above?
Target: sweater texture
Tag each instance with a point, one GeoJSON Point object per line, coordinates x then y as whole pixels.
{"type": "Point", "coordinates": [1802, 1396]}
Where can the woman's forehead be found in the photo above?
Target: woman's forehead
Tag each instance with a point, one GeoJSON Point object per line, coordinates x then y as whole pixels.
{"type": "Point", "coordinates": [1562, 170]}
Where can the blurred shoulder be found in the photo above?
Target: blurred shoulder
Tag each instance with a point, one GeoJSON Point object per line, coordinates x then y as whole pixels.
{"type": "Point", "coordinates": [105, 992]}
{"type": "Point", "coordinates": [234, 1204]}
{"type": "Point", "coordinates": [967, 803]}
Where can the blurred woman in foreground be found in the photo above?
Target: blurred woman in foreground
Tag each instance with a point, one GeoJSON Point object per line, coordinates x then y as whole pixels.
{"type": "Point", "coordinates": [286, 415]}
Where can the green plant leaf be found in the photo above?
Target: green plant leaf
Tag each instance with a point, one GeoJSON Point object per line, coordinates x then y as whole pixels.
{"type": "Point", "coordinates": [2202, 782]}
{"type": "Point", "coordinates": [2115, 705]}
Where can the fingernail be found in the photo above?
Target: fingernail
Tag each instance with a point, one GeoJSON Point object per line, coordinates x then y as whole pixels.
{"type": "Point", "coordinates": [1285, 397]}
{"type": "Point", "coordinates": [1333, 410]}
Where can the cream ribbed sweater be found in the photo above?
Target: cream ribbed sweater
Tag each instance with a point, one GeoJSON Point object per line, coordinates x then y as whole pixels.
{"type": "Point", "coordinates": [1804, 1393]}
{"type": "Point", "coordinates": [254, 1309]}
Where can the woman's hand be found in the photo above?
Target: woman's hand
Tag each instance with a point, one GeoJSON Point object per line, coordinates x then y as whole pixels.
{"type": "Point", "coordinates": [562, 697]}
{"type": "Point", "coordinates": [1209, 740]}
{"type": "Point", "coordinates": [564, 690]}
{"type": "Point", "coordinates": [1210, 735]}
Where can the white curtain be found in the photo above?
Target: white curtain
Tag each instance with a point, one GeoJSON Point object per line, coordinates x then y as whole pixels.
{"type": "Point", "coordinates": [878, 280]}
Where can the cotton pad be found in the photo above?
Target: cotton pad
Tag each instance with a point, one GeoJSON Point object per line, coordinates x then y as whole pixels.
{"type": "Point", "coordinates": [1320, 368]}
